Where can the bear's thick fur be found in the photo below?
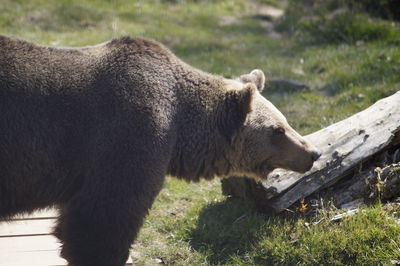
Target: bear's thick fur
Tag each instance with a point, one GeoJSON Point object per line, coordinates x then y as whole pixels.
{"type": "Point", "coordinates": [94, 130]}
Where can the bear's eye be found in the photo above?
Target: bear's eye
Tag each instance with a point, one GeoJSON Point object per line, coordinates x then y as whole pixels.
{"type": "Point", "coordinates": [279, 131]}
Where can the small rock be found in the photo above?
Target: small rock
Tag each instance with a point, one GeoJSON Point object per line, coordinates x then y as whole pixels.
{"type": "Point", "coordinates": [360, 42]}
{"type": "Point", "coordinates": [298, 71]}
{"type": "Point", "coordinates": [228, 20]}
{"type": "Point", "coordinates": [270, 11]}
{"type": "Point", "coordinates": [159, 261]}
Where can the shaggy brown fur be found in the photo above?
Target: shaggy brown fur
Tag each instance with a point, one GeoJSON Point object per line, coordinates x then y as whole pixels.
{"type": "Point", "coordinates": [94, 130]}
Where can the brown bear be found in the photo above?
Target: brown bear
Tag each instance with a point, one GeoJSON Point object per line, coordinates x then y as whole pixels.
{"type": "Point", "coordinates": [94, 131]}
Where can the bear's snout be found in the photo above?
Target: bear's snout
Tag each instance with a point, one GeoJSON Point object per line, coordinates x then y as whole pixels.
{"type": "Point", "coordinates": [315, 155]}
{"type": "Point", "coordinates": [305, 158]}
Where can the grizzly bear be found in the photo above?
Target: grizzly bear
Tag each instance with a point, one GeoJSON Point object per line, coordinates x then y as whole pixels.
{"type": "Point", "coordinates": [93, 131]}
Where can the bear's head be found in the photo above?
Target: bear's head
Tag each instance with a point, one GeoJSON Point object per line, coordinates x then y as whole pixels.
{"type": "Point", "coordinates": [260, 135]}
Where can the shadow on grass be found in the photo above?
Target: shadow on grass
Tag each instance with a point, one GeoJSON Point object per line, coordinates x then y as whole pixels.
{"type": "Point", "coordinates": [227, 229]}
{"type": "Point", "coordinates": [228, 233]}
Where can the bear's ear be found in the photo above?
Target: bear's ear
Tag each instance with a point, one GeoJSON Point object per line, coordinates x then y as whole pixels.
{"type": "Point", "coordinates": [256, 77]}
{"type": "Point", "coordinates": [236, 106]}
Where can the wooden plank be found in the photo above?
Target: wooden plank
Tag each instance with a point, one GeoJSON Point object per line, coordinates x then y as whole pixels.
{"type": "Point", "coordinates": [27, 227]}
{"type": "Point", "coordinates": [32, 258]}
{"type": "Point", "coordinates": [29, 241]}
{"type": "Point", "coordinates": [28, 250]}
{"type": "Point", "coordinates": [32, 250]}
{"type": "Point", "coordinates": [43, 214]}
{"type": "Point", "coordinates": [37, 258]}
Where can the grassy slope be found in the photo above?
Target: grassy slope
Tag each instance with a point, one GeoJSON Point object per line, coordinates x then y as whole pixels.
{"type": "Point", "coordinates": [192, 224]}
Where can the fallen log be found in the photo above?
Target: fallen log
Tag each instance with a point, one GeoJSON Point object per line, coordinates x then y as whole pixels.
{"type": "Point", "coordinates": [345, 146]}
{"type": "Point", "coordinates": [366, 186]}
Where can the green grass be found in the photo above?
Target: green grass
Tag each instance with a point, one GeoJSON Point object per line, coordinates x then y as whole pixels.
{"type": "Point", "coordinates": [326, 24]}
{"type": "Point", "coordinates": [192, 224]}
{"type": "Point", "coordinates": [349, 62]}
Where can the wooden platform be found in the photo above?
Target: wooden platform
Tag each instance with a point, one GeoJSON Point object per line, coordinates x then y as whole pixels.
{"type": "Point", "coordinates": [28, 241]}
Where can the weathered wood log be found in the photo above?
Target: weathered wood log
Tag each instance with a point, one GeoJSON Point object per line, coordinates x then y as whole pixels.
{"type": "Point", "coordinates": [369, 185]}
{"type": "Point", "coordinates": [344, 146]}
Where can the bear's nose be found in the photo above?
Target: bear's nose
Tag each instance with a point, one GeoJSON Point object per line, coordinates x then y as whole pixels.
{"type": "Point", "coordinates": [315, 155]}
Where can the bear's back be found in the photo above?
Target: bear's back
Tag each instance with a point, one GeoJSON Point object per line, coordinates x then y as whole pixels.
{"type": "Point", "coordinates": [27, 67]}
{"type": "Point", "coordinates": [34, 68]}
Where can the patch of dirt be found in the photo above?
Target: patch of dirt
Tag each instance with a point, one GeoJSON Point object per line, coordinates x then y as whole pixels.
{"type": "Point", "coordinates": [228, 20]}
{"type": "Point", "coordinates": [267, 15]}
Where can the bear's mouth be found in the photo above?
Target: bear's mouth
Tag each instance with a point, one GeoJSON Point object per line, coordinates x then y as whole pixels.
{"type": "Point", "coordinates": [264, 169]}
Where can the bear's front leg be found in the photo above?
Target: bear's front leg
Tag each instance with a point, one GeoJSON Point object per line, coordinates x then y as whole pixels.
{"type": "Point", "coordinates": [99, 225]}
